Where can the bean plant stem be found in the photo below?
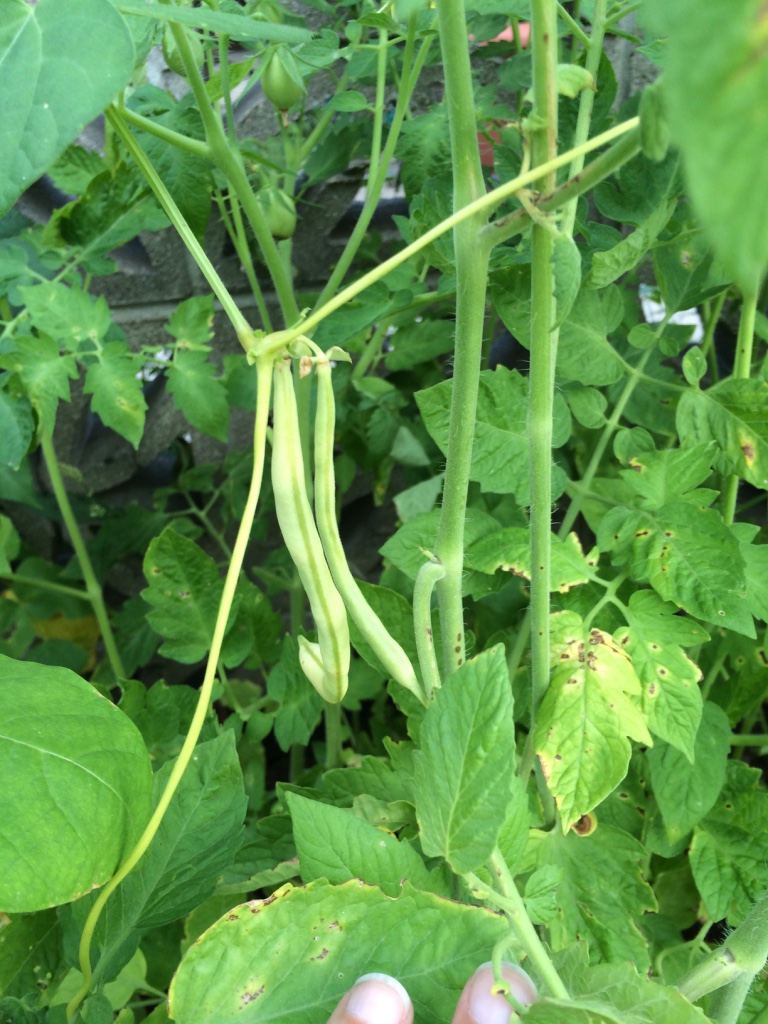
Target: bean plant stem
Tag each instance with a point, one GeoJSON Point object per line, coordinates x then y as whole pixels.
{"type": "Point", "coordinates": [742, 368]}
{"type": "Point", "coordinates": [92, 586]}
{"type": "Point", "coordinates": [543, 347]}
{"type": "Point", "coordinates": [229, 161]}
{"type": "Point", "coordinates": [114, 116]}
{"type": "Point", "coordinates": [263, 391]}
{"type": "Point", "coordinates": [471, 279]}
{"type": "Point", "coordinates": [485, 203]}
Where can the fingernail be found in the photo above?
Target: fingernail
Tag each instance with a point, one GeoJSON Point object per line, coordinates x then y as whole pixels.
{"type": "Point", "coordinates": [487, 1008]}
{"type": "Point", "coordinates": [378, 999]}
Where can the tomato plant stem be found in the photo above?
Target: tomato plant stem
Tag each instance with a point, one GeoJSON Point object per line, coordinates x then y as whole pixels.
{"type": "Point", "coordinates": [92, 585]}
{"type": "Point", "coordinates": [742, 369]}
{"type": "Point", "coordinates": [543, 347]}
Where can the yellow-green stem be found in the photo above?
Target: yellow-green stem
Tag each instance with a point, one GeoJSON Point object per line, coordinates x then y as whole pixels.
{"type": "Point", "coordinates": [742, 368]}
{"type": "Point", "coordinates": [263, 390]}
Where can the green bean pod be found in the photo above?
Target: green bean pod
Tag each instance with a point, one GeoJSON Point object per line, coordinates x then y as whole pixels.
{"type": "Point", "coordinates": [326, 663]}
{"type": "Point", "coordinates": [385, 647]}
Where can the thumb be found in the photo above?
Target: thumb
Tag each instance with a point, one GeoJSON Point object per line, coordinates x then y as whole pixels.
{"type": "Point", "coordinates": [374, 999]}
{"type": "Point", "coordinates": [479, 1005]}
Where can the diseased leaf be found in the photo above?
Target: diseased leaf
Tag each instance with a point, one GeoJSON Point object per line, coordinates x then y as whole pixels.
{"type": "Point", "coordinates": [510, 549]}
{"type": "Point", "coordinates": [45, 373]}
{"type": "Point", "coordinates": [293, 956]}
{"type": "Point", "coordinates": [69, 315]}
{"type": "Point", "coordinates": [30, 949]}
{"type": "Point", "coordinates": [734, 413]}
{"type": "Point", "coordinates": [687, 554]}
{"type": "Point", "coordinates": [603, 894]}
{"type": "Point", "coordinates": [198, 393]}
{"type": "Point", "coordinates": [466, 757]}
{"type": "Point", "coordinates": [660, 477]}
{"type": "Point", "coordinates": [118, 399]}
{"type": "Point", "coordinates": [671, 695]}
{"type": "Point", "coordinates": [590, 712]}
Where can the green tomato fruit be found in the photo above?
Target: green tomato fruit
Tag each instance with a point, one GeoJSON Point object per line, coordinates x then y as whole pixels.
{"type": "Point", "coordinates": [279, 211]}
{"type": "Point", "coordinates": [172, 56]}
{"type": "Point", "coordinates": [281, 81]}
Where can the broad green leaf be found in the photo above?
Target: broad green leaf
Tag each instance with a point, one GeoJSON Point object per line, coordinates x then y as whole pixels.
{"type": "Point", "coordinates": [588, 716]}
{"type": "Point", "coordinates": [75, 169]}
{"type": "Point", "coordinates": [685, 270]}
{"type": "Point", "coordinates": [610, 265]}
{"type": "Point", "coordinates": [291, 958]}
{"type": "Point", "coordinates": [660, 477]}
{"type": "Point", "coordinates": [191, 324]}
{"type": "Point", "coordinates": [588, 406]}
{"type": "Point", "coordinates": [620, 993]}
{"type": "Point", "coordinates": [373, 777]}
{"type": "Point", "coordinates": [463, 767]}
{"type": "Point", "coordinates": [115, 207]}
{"type": "Point", "coordinates": [566, 268]}
{"type": "Point", "coordinates": [30, 952]}
{"type": "Point", "coordinates": [46, 97]}
{"type": "Point", "coordinates": [671, 695]}
{"type": "Point", "coordinates": [509, 549]}
{"type": "Point", "coordinates": [500, 447]}
{"type": "Point", "coordinates": [729, 852]}
{"type": "Point", "coordinates": [45, 373]}
{"type": "Point", "coordinates": [733, 413]}
{"type": "Point", "coordinates": [756, 571]}
{"type": "Point", "coordinates": [198, 393]}
{"type": "Point", "coordinates": [711, 103]}
{"type": "Point", "coordinates": [70, 315]}
{"type": "Point", "coordinates": [686, 790]}
{"type": "Point", "coordinates": [187, 176]}
{"type": "Point", "coordinates": [334, 844]}
{"type": "Point", "coordinates": [635, 193]}
{"type": "Point", "coordinates": [301, 707]}
{"type": "Point", "coordinates": [659, 619]}
{"type": "Point", "coordinates": [10, 544]}
{"type": "Point", "coordinates": [603, 894]}
{"type": "Point", "coordinates": [184, 591]}
{"type": "Point", "coordinates": [405, 549]}
{"type": "Point", "coordinates": [584, 352]}
{"type": "Point", "coordinates": [424, 147]}
{"type": "Point", "coordinates": [197, 840]}
{"type": "Point", "coordinates": [77, 786]}
{"type": "Point", "coordinates": [687, 554]}
{"type": "Point", "coordinates": [17, 426]}
{"type": "Point", "coordinates": [419, 343]}
{"type": "Point", "coordinates": [396, 614]}
{"type": "Point", "coordinates": [117, 395]}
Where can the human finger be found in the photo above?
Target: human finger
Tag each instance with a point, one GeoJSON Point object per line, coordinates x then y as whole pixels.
{"type": "Point", "coordinates": [479, 1005]}
{"type": "Point", "coordinates": [374, 999]}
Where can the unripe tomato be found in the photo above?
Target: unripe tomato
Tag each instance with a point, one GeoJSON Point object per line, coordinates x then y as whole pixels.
{"type": "Point", "coordinates": [281, 81]}
{"type": "Point", "coordinates": [171, 53]}
{"type": "Point", "coordinates": [279, 211]}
